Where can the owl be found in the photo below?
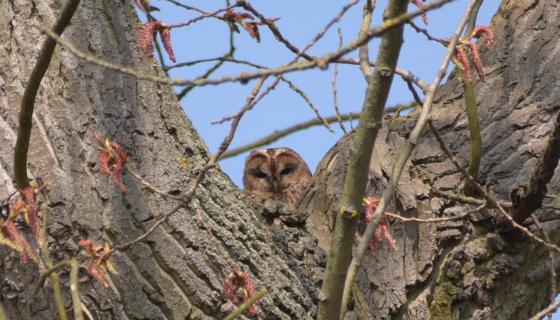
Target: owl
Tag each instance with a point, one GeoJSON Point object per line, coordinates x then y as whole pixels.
{"type": "Point", "coordinates": [279, 173]}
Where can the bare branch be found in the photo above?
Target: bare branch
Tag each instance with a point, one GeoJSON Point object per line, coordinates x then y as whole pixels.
{"type": "Point", "coordinates": [55, 280]}
{"type": "Point", "coordinates": [364, 50]}
{"type": "Point", "coordinates": [184, 6]}
{"type": "Point", "coordinates": [28, 99]}
{"type": "Point", "coordinates": [492, 202]}
{"type": "Point", "coordinates": [404, 155]}
{"type": "Point", "coordinates": [306, 98]}
{"type": "Point", "coordinates": [301, 126]}
{"type": "Point", "coordinates": [212, 69]}
{"type": "Point", "coordinates": [74, 291]}
{"type": "Point", "coordinates": [472, 19]}
{"type": "Point", "coordinates": [204, 16]}
{"type": "Point", "coordinates": [550, 309]}
{"type": "Point", "coordinates": [202, 173]}
{"type": "Point", "coordinates": [432, 220]}
{"type": "Point", "coordinates": [335, 76]}
{"type": "Point", "coordinates": [278, 35]}
{"type": "Point", "coordinates": [456, 197]}
{"type": "Point", "coordinates": [297, 66]}
{"type": "Point", "coordinates": [150, 186]}
{"type": "Point", "coordinates": [239, 311]}
{"type": "Point", "coordinates": [332, 301]}
{"type": "Point", "coordinates": [427, 34]}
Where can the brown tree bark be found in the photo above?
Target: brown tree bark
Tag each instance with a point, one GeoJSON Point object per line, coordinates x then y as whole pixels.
{"type": "Point", "coordinates": [463, 269]}
{"type": "Point", "coordinates": [177, 273]}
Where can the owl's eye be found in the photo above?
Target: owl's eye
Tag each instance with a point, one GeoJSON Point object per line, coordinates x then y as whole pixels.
{"type": "Point", "coordinates": [260, 174]}
{"type": "Point", "coordinates": [287, 170]}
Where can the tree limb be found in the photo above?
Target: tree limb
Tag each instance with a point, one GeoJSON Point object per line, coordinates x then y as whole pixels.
{"type": "Point", "coordinates": [363, 141]}
{"type": "Point", "coordinates": [405, 153]}
{"type": "Point", "coordinates": [239, 311]}
{"type": "Point", "coordinates": [74, 291]}
{"type": "Point", "coordinates": [302, 126]}
{"type": "Point", "coordinates": [28, 99]}
{"type": "Point", "coordinates": [322, 61]}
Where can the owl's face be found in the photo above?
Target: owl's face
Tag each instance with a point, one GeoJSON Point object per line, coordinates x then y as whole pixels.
{"type": "Point", "coordinates": [278, 173]}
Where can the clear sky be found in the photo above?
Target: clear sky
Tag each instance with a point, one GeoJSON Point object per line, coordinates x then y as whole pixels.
{"type": "Point", "coordinates": [299, 22]}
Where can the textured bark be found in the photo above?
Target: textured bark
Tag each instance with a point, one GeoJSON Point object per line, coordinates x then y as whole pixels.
{"type": "Point", "coordinates": [463, 269]}
{"type": "Point", "coordinates": [177, 273]}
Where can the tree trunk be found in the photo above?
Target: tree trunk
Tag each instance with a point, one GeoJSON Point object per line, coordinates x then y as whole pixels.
{"type": "Point", "coordinates": [177, 272]}
{"type": "Point", "coordinates": [463, 269]}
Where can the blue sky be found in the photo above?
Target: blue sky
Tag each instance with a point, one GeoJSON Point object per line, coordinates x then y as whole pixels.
{"type": "Point", "coordinates": [299, 22]}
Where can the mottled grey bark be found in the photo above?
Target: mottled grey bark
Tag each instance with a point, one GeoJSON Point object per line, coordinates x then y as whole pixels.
{"type": "Point", "coordinates": [177, 273]}
{"type": "Point", "coordinates": [464, 269]}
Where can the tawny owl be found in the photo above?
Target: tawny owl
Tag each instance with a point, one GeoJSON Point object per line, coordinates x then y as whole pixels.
{"type": "Point", "coordinates": [280, 174]}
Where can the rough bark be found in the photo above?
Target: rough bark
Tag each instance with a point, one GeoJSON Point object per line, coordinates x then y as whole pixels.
{"type": "Point", "coordinates": [463, 269]}
{"type": "Point", "coordinates": [177, 273]}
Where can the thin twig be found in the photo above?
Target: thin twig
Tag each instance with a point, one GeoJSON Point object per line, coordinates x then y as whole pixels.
{"type": "Point", "coordinates": [55, 280]}
{"type": "Point", "coordinates": [492, 201]}
{"type": "Point", "coordinates": [306, 98]}
{"type": "Point", "coordinates": [406, 75]}
{"type": "Point", "coordinates": [472, 19]}
{"type": "Point", "coordinates": [150, 186]}
{"type": "Point", "coordinates": [239, 311]}
{"type": "Point", "coordinates": [278, 35]}
{"type": "Point", "coordinates": [74, 291]}
{"type": "Point", "coordinates": [335, 296]}
{"type": "Point", "coordinates": [335, 76]}
{"type": "Point", "coordinates": [184, 6]}
{"type": "Point", "coordinates": [405, 153]}
{"type": "Point", "coordinates": [225, 58]}
{"type": "Point", "coordinates": [86, 311]}
{"type": "Point", "coordinates": [364, 50]}
{"type": "Point", "coordinates": [432, 220]}
{"type": "Point", "coordinates": [246, 76]}
{"type": "Point", "coordinates": [46, 273]}
{"type": "Point", "coordinates": [550, 309]}
{"type": "Point", "coordinates": [425, 32]}
{"type": "Point", "coordinates": [263, 94]}
{"type": "Point", "coordinates": [456, 197]}
{"type": "Point", "coordinates": [212, 69]}
{"type": "Point", "coordinates": [301, 126]}
{"type": "Point", "coordinates": [299, 53]}
{"type": "Point", "coordinates": [204, 16]}
{"type": "Point", "coordinates": [27, 106]}
{"type": "Point", "coordinates": [202, 173]}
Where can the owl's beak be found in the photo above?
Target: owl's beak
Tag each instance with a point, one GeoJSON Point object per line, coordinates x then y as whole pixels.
{"type": "Point", "coordinates": [275, 185]}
